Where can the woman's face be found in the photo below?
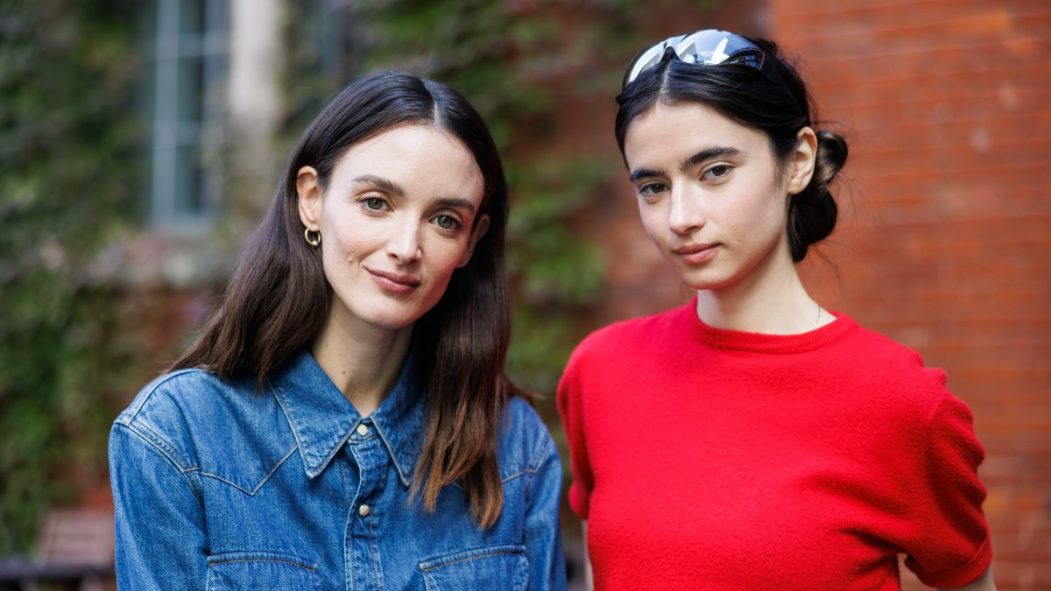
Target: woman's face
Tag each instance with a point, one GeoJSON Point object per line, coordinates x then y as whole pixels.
{"type": "Point", "coordinates": [710, 192]}
{"type": "Point", "coordinates": [396, 219]}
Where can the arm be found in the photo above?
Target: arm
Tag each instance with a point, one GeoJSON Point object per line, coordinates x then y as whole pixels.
{"type": "Point", "coordinates": [947, 541]}
{"type": "Point", "coordinates": [589, 577]}
{"type": "Point", "coordinates": [984, 583]}
{"type": "Point", "coordinates": [547, 566]}
{"type": "Point", "coordinates": [160, 531]}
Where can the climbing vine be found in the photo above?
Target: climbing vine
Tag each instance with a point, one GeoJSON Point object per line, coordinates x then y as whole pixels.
{"type": "Point", "coordinates": [72, 174]}
{"type": "Point", "coordinates": [69, 178]}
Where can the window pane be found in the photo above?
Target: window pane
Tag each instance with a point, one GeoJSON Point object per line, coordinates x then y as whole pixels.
{"type": "Point", "coordinates": [191, 17]}
{"type": "Point", "coordinates": [191, 90]}
{"type": "Point", "coordinates": [190, 198]}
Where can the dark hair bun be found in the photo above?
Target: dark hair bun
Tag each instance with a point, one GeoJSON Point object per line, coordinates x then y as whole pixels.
{"type": "Point", "coordinates": [831, 156]}
{"type": "Point", "coordinates": [812, 212]}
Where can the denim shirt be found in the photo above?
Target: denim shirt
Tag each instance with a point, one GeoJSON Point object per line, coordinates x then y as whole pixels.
{"type": "Point", "coordinates": [220, 486]}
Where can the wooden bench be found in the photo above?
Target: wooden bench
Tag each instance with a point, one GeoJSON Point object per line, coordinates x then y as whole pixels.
{"type": "Point", "coordinates": [74, 547]}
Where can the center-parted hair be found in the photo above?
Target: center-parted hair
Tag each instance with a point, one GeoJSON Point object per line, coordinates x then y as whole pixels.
{"type": "Point", "coordinates": [777, 108]}
{"type": "Point", "coordinates": [278, 298]}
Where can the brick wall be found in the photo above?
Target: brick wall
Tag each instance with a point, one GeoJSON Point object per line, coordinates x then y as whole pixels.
{"type": "Point", "coordinates": [944, 240]}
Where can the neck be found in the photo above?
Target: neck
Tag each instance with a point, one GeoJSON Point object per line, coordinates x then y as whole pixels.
{"type": "Point", "coordinates": [769, 299]}
{"type": "Point", "coordinates": [362, 360]}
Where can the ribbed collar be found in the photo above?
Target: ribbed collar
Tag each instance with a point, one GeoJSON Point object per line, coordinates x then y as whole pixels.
{"type": "Point", "coordinates": [765, 343]}
{"type": "Point", "coordinates": [322, 419]}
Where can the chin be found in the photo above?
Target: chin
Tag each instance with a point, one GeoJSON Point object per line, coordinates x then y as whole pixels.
{"type": "Point", "coordinates": [393, 320]}
{"type": "Point", "coordinates": [387, 315]}
{"type": "Point", "coordinates": [705, 279]}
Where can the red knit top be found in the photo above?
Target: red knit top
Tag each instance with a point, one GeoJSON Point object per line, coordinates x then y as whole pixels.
{"type": "Point", "coordinates": [721, 460]}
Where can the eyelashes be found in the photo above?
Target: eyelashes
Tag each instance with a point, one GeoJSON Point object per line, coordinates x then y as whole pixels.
{"type": "Point", "coordinates": [713, 175]}
{"type": "Point", "coordinates": [447, 223]}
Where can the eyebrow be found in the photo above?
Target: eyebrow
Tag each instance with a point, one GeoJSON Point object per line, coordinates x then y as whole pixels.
{"type": "Point", "coordinates": [393, 187]}
{"type": "Point", "coordinates": [701, 156]}
{"type": "Point", "coordinates": [456, 203]}
{"type": "Point", "coordinates": [708, 154]}
{"type": "Point", "coordinates": [385, 184]}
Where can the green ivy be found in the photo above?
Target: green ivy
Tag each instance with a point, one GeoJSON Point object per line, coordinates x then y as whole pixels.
{"type": "Point", "coordinates": [69, 174]}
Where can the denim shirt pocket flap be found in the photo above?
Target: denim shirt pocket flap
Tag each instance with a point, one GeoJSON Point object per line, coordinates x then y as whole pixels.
{"type": "Point", "coordinates": [232, 571]}
{"type": "Point", "coordinates": [494, 567]}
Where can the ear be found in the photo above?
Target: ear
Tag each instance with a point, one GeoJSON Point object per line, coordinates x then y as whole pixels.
{"type": "Point", "coordinates": [308, 188]}
{"type": "Point", "coordinates": [479, 230]}
{"type": "Point", "coordinates": [801, 161]}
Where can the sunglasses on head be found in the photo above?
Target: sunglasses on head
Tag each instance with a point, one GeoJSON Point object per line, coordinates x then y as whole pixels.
{"type": "Point", "coordinates": [708, 47]}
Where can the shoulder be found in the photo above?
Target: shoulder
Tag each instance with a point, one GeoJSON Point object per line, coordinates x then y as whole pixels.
{"type": "Point", "coordinates": [626, 337]}
{"type": "Point", "coordinates": [525, 442]}
{"type": "Point", "coordinates": [178, 410]}
{"type": "Point", "coordinates": [895, 374]}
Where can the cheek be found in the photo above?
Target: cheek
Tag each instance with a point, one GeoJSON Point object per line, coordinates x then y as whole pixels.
{"type": "Point", "coordinates": [654, 222]}
{"type": "Point", "coordinates": [354, 239]}
{"type": "Point", "coordinates": [445, 255]}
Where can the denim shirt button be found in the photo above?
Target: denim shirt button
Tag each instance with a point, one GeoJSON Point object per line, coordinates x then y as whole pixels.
{"type": "Point", "coordinates": [363, 429]}
{"type": "Point", "coordinates": [364, 510]}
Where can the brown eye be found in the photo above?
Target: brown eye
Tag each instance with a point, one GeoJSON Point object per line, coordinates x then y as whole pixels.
{"type": "Point", "coordinates": [716, 172]}
{"type": "Point", "coordinates": [651, 189]}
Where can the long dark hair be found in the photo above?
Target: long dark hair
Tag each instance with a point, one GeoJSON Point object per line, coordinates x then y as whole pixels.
{"type": "Point", "coordinates": [278, 298]}
{"type": "Point", "coordinates": [777, 108]}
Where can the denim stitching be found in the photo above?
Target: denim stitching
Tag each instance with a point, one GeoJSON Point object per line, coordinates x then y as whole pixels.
{"type": "Point", "coordinates": [430, 565]}
{"type": "Point", "coordinates": [243, 559]}
{"type": "Point", "coordinates": [185, 473]}
{"type": "Point", "coordinates": [257, 486]}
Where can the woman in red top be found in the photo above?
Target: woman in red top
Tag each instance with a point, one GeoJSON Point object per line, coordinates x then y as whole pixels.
{"type": "Point", "coordinates": [752, 439]}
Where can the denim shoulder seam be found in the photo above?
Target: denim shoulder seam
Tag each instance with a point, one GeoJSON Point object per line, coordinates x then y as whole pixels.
{"type": "Point", "coordinates": [258, 486]}
{"type": "Point", "coordinates": [158, 444]}
{"type": "Point", "coordinates": [542, 451]}
{"type": "Point", "coordinates": [178, 460]}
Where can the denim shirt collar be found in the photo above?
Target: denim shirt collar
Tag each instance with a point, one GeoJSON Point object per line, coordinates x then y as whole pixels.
{"type": "Point", "coordinates": [322, 419]}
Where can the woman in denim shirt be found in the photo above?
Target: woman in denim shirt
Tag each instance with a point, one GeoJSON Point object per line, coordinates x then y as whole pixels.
{"type": "Point", "coordinates": [344, 421]}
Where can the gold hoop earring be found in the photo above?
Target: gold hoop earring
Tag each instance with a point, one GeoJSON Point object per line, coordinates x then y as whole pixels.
{"type": "Point", "coordinates": [313, 237]}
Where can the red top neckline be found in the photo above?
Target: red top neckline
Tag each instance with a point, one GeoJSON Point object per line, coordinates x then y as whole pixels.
{"type": "Point", "coordinates": [767, 343]}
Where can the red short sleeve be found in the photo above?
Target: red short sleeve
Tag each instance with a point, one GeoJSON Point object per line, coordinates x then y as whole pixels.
{"type": "Point", "coordinates": [571, 409]}
{"type": "Point", "coordinates": [951, 547]}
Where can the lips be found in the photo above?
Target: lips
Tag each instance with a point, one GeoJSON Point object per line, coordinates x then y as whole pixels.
{"type": "Point", "coordinates": [394, 282]}
{"type": "Point", "coordinates": [696, 254]}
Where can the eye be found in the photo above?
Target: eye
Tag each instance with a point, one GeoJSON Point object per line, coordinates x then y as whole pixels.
{"type": "Point", "coordinates": [447, 222]}
{"type": "Point", "coordinates": [651, 189]}
{"type": "Point", "coordinates": [373, 203]}
{"type": "Point", "coordinates": [717, 172]}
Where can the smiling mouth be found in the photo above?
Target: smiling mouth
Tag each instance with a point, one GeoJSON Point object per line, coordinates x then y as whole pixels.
{"type": "Point", "coordinates": [394, 282]}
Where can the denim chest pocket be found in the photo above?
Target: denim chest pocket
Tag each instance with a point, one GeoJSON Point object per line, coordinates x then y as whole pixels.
{"type": "Point", "coordinates": [236, 571]}
{"type": "Point", "coordinates": [495, 567]}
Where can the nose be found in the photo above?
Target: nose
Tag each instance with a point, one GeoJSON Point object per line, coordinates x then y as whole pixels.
{"type": "Point", "coordinates": [404, 243]}
{"type": "Point", "coordinates": [685, 213]}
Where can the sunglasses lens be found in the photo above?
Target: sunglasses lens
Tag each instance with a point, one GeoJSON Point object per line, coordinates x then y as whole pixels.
{"type": "Point", "coordinates": [648, 59]}
{"type": "Point", "coordinates": [747, 57]}
{"type": "Point", "coordinates": [708, 47]}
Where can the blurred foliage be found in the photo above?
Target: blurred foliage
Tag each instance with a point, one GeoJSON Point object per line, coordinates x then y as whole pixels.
{"type": "Point", "coordinates": [71, 174]}
{"type": "Point", "coordinates": [68, 172]}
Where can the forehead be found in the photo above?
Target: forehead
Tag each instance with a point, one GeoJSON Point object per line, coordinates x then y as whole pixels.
{"type": "Point", "coordinates": [672, 132]}
{"type": "Point", "coordinates": [422, 158]}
